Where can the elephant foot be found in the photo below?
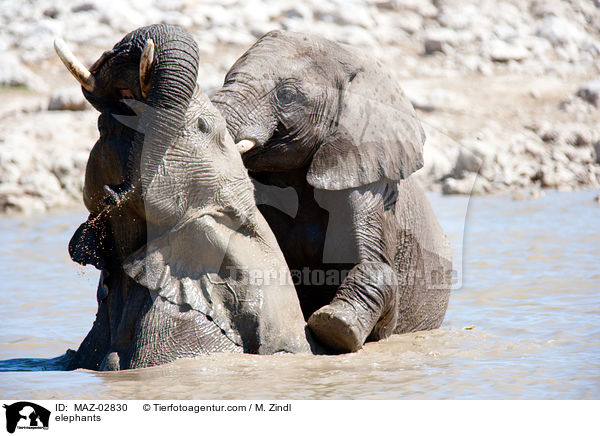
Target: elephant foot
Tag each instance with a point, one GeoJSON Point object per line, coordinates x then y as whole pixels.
{"type": "Point", "coordinates": [365, 308]}
{"type": "Point", "coordinates": [337, 326]}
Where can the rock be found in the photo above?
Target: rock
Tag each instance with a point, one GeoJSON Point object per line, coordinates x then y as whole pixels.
{"type": "Point", "coordinates": [297, 12]}
{"type": "Point", "coordinates": [560, 32]}
{"type": "Point", "coordinates": [350, 14]}
{"type": "Point", "coordinates": [580, 155]}
{"type": "Point", "coordinates": [556, 176]}
{"type": "Point", "coordinates": [467, 162]}
{"type": "Point", "coordinates": [67, 99]}
{"type": "Point", "coordinates": [470, 184]}
{"type": "Point", "coordinates": [42, 181]}
{"type": "Point", "coordinates": [51, 12]}
{"type": "Point", "coordinates": [83, 7]}
{"type": "Point", "coordinates": [580, 139]}
{"type": "Point", "coordinates": [14, 74]}
{"type": "Point", "coordinates": [484, 69]}
{"type": "Point", "coordinates": [483, 150]}
{"type": "Point", "coordinates": [387, 5]}
{"type": "Point", "coordinates": [590, 92]}
{"type": "Point", "coordinates": [176, 19]}
{"type": "Point", "coordinates": [19, 202]}
{"type": "Point", "coordinates": [458, 18]}
{"type": "Point", "coordinates": [433, 46]}
{"type": "Point", "coordinates": [550, 135]}
{"type": "Point", "coordinates": [425, 8]}
{"type": "Point", "coordinates": [443, 36]}
{"type": "Point", "coordinates": [439, 156]}
{"type": "Point", "coordinates": [500, 51]}
{"type": "Point", "coordinates": [535, 93]}
{"type": "Point", "coordinates": [410, 22]}
{"type": "Point", "coordinates": [547, 132]}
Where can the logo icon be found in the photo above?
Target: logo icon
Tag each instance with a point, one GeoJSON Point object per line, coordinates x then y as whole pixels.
{"type": "Point", "coordinates": [26, 415]}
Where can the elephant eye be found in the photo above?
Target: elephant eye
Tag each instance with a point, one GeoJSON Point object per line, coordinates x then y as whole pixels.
{"type": "Point", "coordinates": [202, 125]}
{"type": "Point", "coordinates": [286, 95]}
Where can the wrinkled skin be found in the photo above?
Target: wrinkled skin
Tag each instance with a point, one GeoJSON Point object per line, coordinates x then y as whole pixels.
{"type": "Point", "coordinates": [173, 224]}
{"type": "Point", "coordinates": [332, 126]}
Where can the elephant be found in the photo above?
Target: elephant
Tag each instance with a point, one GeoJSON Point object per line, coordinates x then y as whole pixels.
{"type": "Point", "coordinates": [330, 123]}
{"type": "Point", "coordinates": [173, 224]}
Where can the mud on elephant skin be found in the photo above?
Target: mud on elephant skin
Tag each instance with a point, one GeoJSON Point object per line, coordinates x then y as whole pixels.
{"type": "Point", "coordinates": [332, 125]}
{"type": "Point", "coordinates": [173, 225]}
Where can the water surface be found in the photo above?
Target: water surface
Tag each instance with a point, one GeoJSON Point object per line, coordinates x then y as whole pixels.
{"type": "Point", "coordinates": [525, 322]}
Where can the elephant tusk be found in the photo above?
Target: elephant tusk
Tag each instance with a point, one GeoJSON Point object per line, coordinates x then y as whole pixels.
{"type": "Point", "coordinates": [146, 62]}
{"type": "Point", "coordinates": [76, 68]}
{"type": "Point", "coordinates": [244, 145]}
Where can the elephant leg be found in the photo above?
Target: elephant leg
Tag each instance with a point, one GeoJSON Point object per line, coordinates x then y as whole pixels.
{"type": "Point", "coordinates": [97, 342]}
{"type": "Point", "coordinates": [167, 332]}
{"type": "Point", "coordinates": [365, 306]}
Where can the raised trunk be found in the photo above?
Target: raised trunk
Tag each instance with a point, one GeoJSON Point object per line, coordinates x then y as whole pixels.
{"type": "Point", "coordinates": [173, 80]}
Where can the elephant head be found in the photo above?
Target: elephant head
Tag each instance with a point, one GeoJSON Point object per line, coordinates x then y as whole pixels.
{"type": "Point", "coordinates": [168, 188]}
{"type": "Point", "coordinates": [296, 101]}
{"type": "Point", "coordinates": [154, 65]}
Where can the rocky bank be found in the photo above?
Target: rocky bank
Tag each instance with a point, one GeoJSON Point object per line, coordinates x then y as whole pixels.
{"type": "Point", "coordinates": [508, 91]}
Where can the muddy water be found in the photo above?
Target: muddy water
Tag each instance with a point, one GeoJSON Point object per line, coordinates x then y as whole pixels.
{"type": "Point", "coordinates": [524, 323]}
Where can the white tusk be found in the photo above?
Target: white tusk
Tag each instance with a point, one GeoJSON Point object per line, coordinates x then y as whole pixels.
{"type": "Point", "coordinates": [81, 73]}
{"type": "Point", "coordinates": [146, 62]}
{"type": "Point", "coordinates": [244, 145]}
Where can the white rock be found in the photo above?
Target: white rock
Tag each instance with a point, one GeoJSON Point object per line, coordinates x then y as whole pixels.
{"type": "Point", "coordinates": [425, 8]}
{"type": "Point", "coordinates": [443, 35]}
{"type": "Point", "coordinates": [14, 73]}
{"type": "Point", "coordinates": [590, 91]}
{"type": "Point", "coordinates": [467, 162]}
{"type": "Point", "coordinates": [470, 184]}
{"type": "Point", "coordinates": [298, 11]}
{"type": "Point", "coordinates": [350, 14]}
{"type": "Point", "coordinates": [500, 51]}
{"type": "Point", "coordinates": [560, 31]}
{"type": "Point", "coordinates": [410, 22]}
{"type": "Point", "coordinates": [556, 176]}
{"type": "Point", "coordinates": [21, 203]}
{"type": "Point", "coordinates": [176, 19]}
{"type": "Point", "coordinates": [68, 99]}
{"type": "Point", "coordinates": [42, 182]}
{"type": "Point", "coordinates": [10, 173]}
{"type": "Point", "coordinates": [83, 6]}
{"type": "Point", "coordinates": [459, 18]}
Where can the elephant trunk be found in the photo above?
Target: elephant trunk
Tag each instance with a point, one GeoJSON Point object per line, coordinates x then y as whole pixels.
{"type": "Point", "coordinates": [244, 113]}
{"type": "Point", "coordinates": [172, 82]}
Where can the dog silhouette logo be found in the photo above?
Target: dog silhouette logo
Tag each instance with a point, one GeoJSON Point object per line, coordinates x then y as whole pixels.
{"type": "Point", "coordinates": [26, 415]}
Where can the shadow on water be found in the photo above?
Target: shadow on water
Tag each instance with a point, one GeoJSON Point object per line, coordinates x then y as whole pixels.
{"type": "Point", "coordinates": [60, 363]}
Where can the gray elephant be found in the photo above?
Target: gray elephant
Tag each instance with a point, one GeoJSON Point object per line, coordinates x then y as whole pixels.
{"type": "Point", "coordinates": [331, 123]}
{"type": "Point", "coordinates": [173, 224]}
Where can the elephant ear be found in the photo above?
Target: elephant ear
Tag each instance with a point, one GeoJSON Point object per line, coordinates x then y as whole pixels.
{"type": "Point", "coordinates": [378, 135]}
